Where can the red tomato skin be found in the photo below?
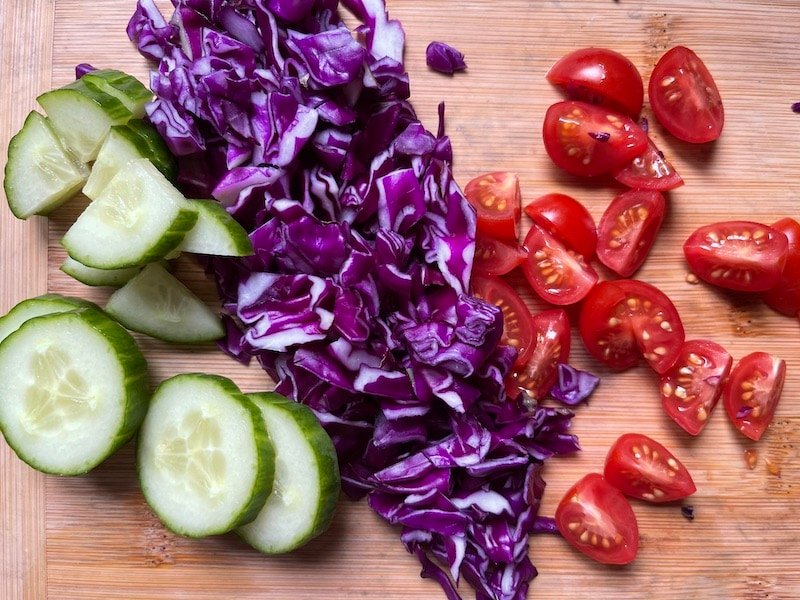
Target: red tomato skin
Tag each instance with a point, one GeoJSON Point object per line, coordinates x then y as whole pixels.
{"type": "Point", "coordinates": [738, 255]}
{"type": "Point", "coordinates": [784, 297]}
{"type": "Point", "coordinates": [551, 346]}
{"type": "Point", "coordinates": [691, 388]}
{"type": "Point", "coordinates": [618, 527]}
{"type": "Point", "coordinates": [649, 171]}
{"type": "Point", "coordinates": [600, 76]}
{"type": "Point", "coordinates": [628, 230]}
{"type": "Point", "coordinates": [642, 468]}
{"type": "Point", "coordinates": [497, 200]}
{"type": "Point", "coordinates": [761, 376]}
{"type": "Point", "coordinates": [567, 220]}
{"type": "Point", "coordinates": [685, 98]}
{"type": "Point", "coordinates": [612, 323]}
{"type": "Point", "coordinates": [517, 319]}
{"type": "Point", "coordinates": [588, 140]}
{"type": "Point", "coordinates": [494, 257]}
{"type": "Point", "coordinates": [555, 273]}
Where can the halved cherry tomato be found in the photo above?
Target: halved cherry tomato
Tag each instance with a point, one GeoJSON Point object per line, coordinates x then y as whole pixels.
{"type": "Point", "coordinates": [628, 229]}
{"type": "Point", "coordinates": [550, 347]}
{"type": "Point", "coordinates": [559, 275]}
{"type": "Point", "coordinates": [785, 296]}
{"type": "Point", "coordinates": [517, 319]}
{"type": "Point", "coordinates": [497, 200]}
{"type": "Point", "coordinates": [737, 255]}
{"type": "Point", "coordinates": [594, 517]}
{"type": "Point", "coordinates": [600, 76]}
{"type": "Point", "coordinates": [685, 98]}
{"type": "Point", "coordinates": [493, 257]}
{"type": "Point", "coordinates": [640, 467]}
{"type": "Point", "coordinates": [752, 392]}
{"type": "Point", "coordinates": [649, 171]}
{"type": "Point", "coordinates": [588, 140]}
{"type": "Point", "coordinates": [567, 220]}
{"type": "Point", "coordinates": [691, 388]}
{"type": "Point", "coordinates": [624, 319]}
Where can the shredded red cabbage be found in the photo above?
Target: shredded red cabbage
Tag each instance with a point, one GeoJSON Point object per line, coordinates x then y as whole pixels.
{"type": "Point", "coordinates": [444, 58]}
{"type": "Point", "coordinates": [573, 386]}
{"type": "Point", "coordinates": [357, 298]}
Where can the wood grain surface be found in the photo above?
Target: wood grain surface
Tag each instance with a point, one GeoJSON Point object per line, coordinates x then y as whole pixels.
{"type": "Point", "coordinates": [93, 537]}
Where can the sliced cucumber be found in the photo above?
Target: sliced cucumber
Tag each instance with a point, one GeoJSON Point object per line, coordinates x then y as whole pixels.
{"type": "Point", "coordinates": [73, 389]}
{"type": "Point", "coordinates": [36, 307]}
{"type": "Point", "coordinates": [307, 483]}
{"type": "Point", "coordinates": [157, 150]}
{"type": "Point", "coordinates": [139, 218]}
{"type": "Point", "coordinates": [156, 303]}
{"type": "Point", "coordinates": [82, 115]}
{"type": "Point", "coordinates": [123, 144]}
{"type": "Point", "coordinates": [205, 461]}
{"type": "Point", "coordinates": [98, 277]}
{"type": "Point", "coordinates": [40, 174]}
{"type": "Point", "coordinates": [216, 232]}
{"type": "Point", "coordinates": [125, 88]}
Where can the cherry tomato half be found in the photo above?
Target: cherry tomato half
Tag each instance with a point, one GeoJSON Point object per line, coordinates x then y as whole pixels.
{"type": "Point", "coordinates": [588, 140]}
{"type": "Point", "coordinates": [497, 200]}
{"type": "Point", "coordinates": [517, 319]}
{"type": "Point", "coordinates": [628, 229]}
{"type": "Point", "coordinates": [551, 346]}
{"type": "Point", "coordinates": [785, 295]}
{"type": "Point", "coordinates": [737, 255]}
{"type": "Point", "coordinates": [567, 220]}
{"type": "Point", "coordinates": [624, 319]}
{"type": "Point", "coordinates": [752, 392]}
{"type": "Point", "coordinates": [640, 467]}
{"type": "Point", "coordinates": [598, 520]}
{"type": "Point", "coordinates": [692, 386]}
{"type": "Point", "coordinates": [649, 171]}
{"type": "Point", "coordinates": [600, 76]}
{"type": "Point", "coordinates": [685, 98]}
{"type": "Point", "coordinates": [493, 257]}
{"type": "Point", "coordinates": [559, 275]}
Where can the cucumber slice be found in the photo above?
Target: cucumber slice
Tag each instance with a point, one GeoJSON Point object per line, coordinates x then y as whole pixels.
{"type": "Point", "coordinates": [139, 218]}
{"type": "Point", "coordinates": [123, 144]}
{"type": "Point", "coordinates": [125, 88]}
{"type": "Point", "coordinates": [98, 277]}
{"type": "Point", "coordinates": [216, 232]}
{"type": "Point", "coordinates": [307, 483]}
{"type": "Point", "coordinates": [82, 115]}
{"type": "Point", "coordinates": [156, 303]}
{"type": "Point", "coordinates": [40, 174]}
{"type": "Point", "coordinates": [157, 150]}
{"type": "Point", "coordinates": [74, 389]}
{"type": "Point", "coordinates": [36, 307]}
{"type": "Point", "coordinates": [205, 461]}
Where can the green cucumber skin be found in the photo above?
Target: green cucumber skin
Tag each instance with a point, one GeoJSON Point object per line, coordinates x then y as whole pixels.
{"type": "Point", "coordinates": [115, 109]}
{"type": "Point", "coordinates": [242, 244]}
{"type": "Point", "coordinates": [266, 455]}
{"type": "Point", "coordinates": [96, 277]}
{"type": "Point", "coordinates": [55, 303]}
{"type": "Point", "coordinates": [158, 153]}
{"type": "Point", "coordinates": [325, 452]}
{"type": "Point", "coordinates": [130, 91]}
{"type": "Point", "coordinates": [134, 380]}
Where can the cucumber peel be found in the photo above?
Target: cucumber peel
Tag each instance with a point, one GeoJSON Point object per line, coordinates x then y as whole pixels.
{"type": "Point", "coordinates": [216, 232]}
{"type": "Point", "coordinates": [46, 304]}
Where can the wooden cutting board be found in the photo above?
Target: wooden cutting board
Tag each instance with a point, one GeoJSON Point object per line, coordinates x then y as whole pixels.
{"type": "Point", "coordinates": [93, 537]}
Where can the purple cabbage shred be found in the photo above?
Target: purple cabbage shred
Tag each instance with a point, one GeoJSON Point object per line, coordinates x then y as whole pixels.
{"type": "Point", "coordinates": [796, 107]}
{"type": "Point", "coordinates": [573, 386]}
{"type": "Point", "coordinates": [444, 58]}
{"type": "Point", "coordinates": [356, 301]}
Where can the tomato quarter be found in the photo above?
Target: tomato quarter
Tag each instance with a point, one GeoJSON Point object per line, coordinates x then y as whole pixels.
{"type": "Point", "coordinates": [517, 319]}
{"type": "Point", "coordinates": [497, 200]}
{"type": "Point", "coordinates": [692, 386]}
{"type": "Point", "coordinates": [559, 275]}
{"type": "Point", "coordinates": [649, 171]}
{"type": "Point", "coordinates": [624, 319]}
{"type": "Point", "coordinates": [642, 468]}
{"type": "Point", "coordinates": [600, 76]}
{"type": "Point", "coordinates": [551, 346]}
{"type": "Point", "coordinates": [588, 140]}
{"type": "Point", "coordinates": [752, 392]}
{"type": "Point", "coordinates": [685, 98]}
{"type": "Point", "coordinates": [493, 257]}
{"type": "Point", "coordinates": [598, 520]}
{"type": "Point", "coordinates": [785, 295]}
{"type": "Point", "coordinates": [737, 255]}
{"type": "Point", "coordinates": [567, 220]}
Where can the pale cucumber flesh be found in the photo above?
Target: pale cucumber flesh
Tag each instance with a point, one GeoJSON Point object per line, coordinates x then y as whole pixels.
{"type": "Point", "coordinates": [35, 307]}
{"type": "Point", "coordinates": [216, 232]}
{"type": "Point", "coordinates": [97, 277]}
